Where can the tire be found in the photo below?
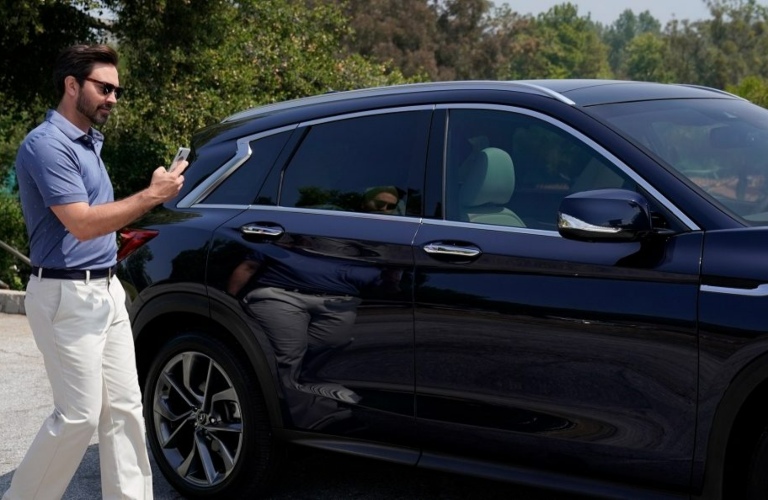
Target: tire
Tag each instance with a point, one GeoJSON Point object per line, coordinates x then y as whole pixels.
{"type": "Point", "coordinates": [757, 480]}
{"type": "Point", "coordinates": [207, 423]}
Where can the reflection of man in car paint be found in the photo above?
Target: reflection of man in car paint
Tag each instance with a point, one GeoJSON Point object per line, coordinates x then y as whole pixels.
{"type": "Point", "coordinates": [306, 303]}
{"type": "Point", "coordinates": [381, 200]}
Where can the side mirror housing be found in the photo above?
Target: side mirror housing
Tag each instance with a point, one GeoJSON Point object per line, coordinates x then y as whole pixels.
{"type": "Point", "coordinates": [605, 215]}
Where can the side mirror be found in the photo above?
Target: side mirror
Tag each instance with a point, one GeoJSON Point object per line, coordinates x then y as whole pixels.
{"type": "Point", "coordinates": [604, 215]}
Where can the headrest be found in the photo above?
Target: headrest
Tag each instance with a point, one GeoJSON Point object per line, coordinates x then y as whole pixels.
{"type": "Point", "coordinates": [490, 178]}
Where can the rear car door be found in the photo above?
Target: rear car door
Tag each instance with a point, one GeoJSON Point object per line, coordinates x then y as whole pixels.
{"type": "Point", "coordinates": [537, 351]}
{"type": "Point", "coordinates": [321, 264]}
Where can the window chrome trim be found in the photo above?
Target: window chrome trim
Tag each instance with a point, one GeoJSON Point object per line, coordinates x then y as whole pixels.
{"type": "Point", "coordinates": [371, 112]}
{"type": "Point", "coordinates": [589, 142]}
{"type": "Point", "coordinates": [758, 291]}
{"type": "Point", "coordinates": [221, 174]}
{"type": "Point", "coordinates": [321, 211]}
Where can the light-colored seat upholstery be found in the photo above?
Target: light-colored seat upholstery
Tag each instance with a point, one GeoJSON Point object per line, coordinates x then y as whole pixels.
{"type": "Point", "coordinates": [487, 188]}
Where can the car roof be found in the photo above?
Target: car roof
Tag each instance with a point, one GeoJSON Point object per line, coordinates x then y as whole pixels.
{"type": "Point", "coordinates": [576, 92]}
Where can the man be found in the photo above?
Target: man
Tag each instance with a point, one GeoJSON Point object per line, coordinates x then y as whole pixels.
{"type": "Point", "coordinates": [74, 303]}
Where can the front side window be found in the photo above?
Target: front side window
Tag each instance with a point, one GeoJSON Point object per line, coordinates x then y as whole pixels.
{"type": "Point", "coordinates": [720, 145]}
{"type": "Point", "coordinates": [511, 169]}
{"type": "Point", "coordinates": [359, 164]}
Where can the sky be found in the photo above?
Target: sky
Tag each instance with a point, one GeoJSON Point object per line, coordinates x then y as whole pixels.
{"type": "Point", "coordinates": [607, 11]}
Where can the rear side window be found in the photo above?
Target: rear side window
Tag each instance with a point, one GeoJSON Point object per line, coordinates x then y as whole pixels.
{"type": "Point", "coordinates": [359, 164]}
{"type": "Point", "coordinates": [242, 186]}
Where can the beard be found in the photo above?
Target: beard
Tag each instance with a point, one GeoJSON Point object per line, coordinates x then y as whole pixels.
{"type": "Point", "coordinates": [98, 114]}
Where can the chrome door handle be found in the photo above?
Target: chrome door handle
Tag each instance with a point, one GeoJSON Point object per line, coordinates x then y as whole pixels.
{"type": "Point", "coordinates": [452, 250]}
{"type": "Point", "coordinates": [257, 230]}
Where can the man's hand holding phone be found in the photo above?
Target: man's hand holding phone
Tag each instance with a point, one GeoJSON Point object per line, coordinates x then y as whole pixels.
{"type": "Point", "coordinates": [181, 155]}
{"type": "Point", "coordinates": [163, 186]}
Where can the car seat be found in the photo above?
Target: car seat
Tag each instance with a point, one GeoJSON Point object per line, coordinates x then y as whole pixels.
{"type": "Point", "coordinates": [487, 188]}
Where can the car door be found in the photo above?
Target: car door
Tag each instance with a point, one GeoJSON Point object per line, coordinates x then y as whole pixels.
{"type": "Point", "coordinates": [538, 351]}
{"type": "Point", "coordinates": [322, 266]}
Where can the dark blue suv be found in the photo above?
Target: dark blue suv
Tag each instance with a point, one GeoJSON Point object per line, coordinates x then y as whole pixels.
{"type": "Point", "coordinates": [563, 283]}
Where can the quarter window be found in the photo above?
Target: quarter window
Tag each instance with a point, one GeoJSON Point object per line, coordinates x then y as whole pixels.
{"type": "Point", "coordinates": [242, 185]}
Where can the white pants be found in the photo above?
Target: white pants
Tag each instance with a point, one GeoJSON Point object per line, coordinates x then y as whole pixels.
{"type": "Point", "coordinates": [83, 332]}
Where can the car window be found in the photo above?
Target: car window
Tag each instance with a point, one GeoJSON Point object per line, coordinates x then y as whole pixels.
{"type": "Point", "coordinates": [241, 186]}
{"type": "Point", "coordinates": [511, 169]}
{"type": "Point", "coordinates": [359, 164]}
{"type": "Point", "coordinates": [720, 145]}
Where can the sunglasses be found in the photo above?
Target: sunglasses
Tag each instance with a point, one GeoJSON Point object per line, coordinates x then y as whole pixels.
{"type": "Point", "coordinates": [383, 205]}
{"type": "Point", "coordinates": [108, 88]}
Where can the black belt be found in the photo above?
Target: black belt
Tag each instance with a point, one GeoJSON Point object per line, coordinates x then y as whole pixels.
{"type": "Point", "coordinates": [73, 274]}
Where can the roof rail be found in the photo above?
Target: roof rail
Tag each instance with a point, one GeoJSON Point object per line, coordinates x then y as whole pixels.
{"type": "Point", "coordinates": [334, 96]}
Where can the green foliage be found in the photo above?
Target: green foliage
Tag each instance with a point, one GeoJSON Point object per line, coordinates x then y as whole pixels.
{"type": "Point", "coordinates": [752, 88]}
{"type": "Point", "coordinates": [619, 35]}
{"type": "Point", "coordinates": [13, 233]}
{"type": "Point", "coordinates": [400, 32]}
{"type": "Point", "coordinates": [31, 34]}
{"type": "Point", "coordinates": [561, 45]}
{"type": "Point", "coordinates": [14, 125]}
{"type": "Point", "coordinates": [645, 59]}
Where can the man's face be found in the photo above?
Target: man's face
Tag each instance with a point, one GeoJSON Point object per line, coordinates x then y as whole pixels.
{"type": "Point", "coordinates": [382, 203]}
{"type": "Point", "coordinates": [92, 101]}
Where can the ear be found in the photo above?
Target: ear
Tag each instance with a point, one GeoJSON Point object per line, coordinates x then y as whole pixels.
{"type": "Point", "coordinates": [71, 86]}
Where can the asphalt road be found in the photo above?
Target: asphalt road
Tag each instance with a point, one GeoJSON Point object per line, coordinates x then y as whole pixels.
{"type": "Point", "coordinates": [26, 402]}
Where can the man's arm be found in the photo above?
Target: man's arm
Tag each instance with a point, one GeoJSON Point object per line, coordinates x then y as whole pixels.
{"type": "Point", "coordinates": [86, 222]}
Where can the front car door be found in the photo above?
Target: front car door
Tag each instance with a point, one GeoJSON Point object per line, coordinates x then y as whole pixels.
{"type": "Point", "coordinates": [537, 351]}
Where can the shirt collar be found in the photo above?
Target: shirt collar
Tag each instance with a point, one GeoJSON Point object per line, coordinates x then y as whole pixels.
{"type": "Point", "coordinates": [70, 130]}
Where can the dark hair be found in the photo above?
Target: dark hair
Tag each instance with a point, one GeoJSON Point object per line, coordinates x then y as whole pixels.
{"type": "Point", "coordinates": [78, 61]}
{"type": "Point", "coordinates": [371, 193]}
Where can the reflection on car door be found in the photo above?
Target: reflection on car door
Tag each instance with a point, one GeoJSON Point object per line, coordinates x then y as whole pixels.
{"type": "Point", "coordinates": [322, 267]}
{"type": "Point", "coordinates": [534, 350]}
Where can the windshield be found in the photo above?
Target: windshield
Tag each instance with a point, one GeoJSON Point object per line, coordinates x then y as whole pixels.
{"type": "Point", "coordinates": [721, 145]}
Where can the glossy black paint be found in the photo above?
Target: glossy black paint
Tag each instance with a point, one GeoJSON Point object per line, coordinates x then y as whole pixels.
{"type": "Point", "coordinates": [623, 368]}
{"type": "Point", "coordinates": [613, 214]}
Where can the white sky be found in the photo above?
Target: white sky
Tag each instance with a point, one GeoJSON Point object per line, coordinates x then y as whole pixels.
{"type": "Point", "coordinates": [607, 11]}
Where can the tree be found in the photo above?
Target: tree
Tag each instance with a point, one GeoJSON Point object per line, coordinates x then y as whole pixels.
{"type": "Point", "coordinates": [461, 26]}
{"type": "Point", "coordinates": [562, 45]}
{"type": "Point", "coordinates": [645, 59]}
{"type": "Point", "coordinates": [621, 33]}
{"type": "Point", "coordinates": [752, 88]}
{"type": "Point", "coordinates": [403, 32]}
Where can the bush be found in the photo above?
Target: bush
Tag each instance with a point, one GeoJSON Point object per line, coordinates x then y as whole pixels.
{"type": "Point", "coordinates": [13, 233]}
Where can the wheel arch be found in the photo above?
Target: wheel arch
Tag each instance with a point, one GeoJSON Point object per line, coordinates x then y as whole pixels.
{"type": "Point", "coordinates": [159, 320]}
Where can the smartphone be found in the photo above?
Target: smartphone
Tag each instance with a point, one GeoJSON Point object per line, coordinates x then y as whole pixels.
{"type": "Point", "coordinates": [181, 155]}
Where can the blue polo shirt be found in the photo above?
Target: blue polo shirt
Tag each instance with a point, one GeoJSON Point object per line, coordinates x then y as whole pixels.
{"type": "Point", "coordinates": [58, 164]}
